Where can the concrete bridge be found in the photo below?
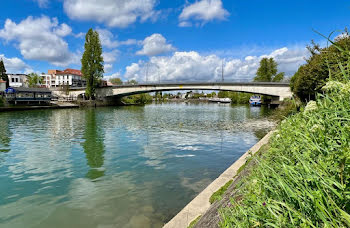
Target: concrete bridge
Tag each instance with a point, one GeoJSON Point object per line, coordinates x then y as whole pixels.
{"type": "Point", "coordinates": [279, 91]}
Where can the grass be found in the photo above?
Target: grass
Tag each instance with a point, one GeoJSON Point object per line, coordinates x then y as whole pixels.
{"type": "Point", "coordinates": [194, 222]}
{"type": "Point", "coordinates": [218, 194]}
{"type": "Point", "coordinates": [303, 180]}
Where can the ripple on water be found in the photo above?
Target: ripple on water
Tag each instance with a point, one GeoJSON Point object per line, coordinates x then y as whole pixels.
{"type": "Point", "coordinates": [116, 166]}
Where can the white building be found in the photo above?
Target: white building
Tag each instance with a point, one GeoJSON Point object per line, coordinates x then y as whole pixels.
{"type": "Point", "coordinates": [17, 80]}
{"type": "Point", "coordinates": [58, 78]}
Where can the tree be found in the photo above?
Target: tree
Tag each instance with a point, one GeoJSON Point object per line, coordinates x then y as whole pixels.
{"type": "Point", "coordinates": [116, 81]}
{"type": "Point", "coordinates": [34, 80]}
{"type": "Point", "coordinates": [92, 62]}
{"type": "Point", "coordinates": [132, 82]}
{"type": "Point", "coordinates": [267, 71]}
{"type": "Point", "coordinates": [312, 76]}
{"type": "Point", "coordinates": [3, 75]}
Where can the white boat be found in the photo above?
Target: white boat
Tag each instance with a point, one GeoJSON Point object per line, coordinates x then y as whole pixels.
{"type": "Point", "coordinates": [255, 100]}
{"type": "Point", "coordinates": [220, 100]}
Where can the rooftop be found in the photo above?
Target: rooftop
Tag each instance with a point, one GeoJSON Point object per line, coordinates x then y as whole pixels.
{"type": "Point", "coordinates": [68, 71]}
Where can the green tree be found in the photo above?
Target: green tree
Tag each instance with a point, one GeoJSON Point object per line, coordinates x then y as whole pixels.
{"type": "Point", "coordinates": [34, 80]}
{"type": "Point", "coordinates": [116, 81]}
{"type": "Point", "coordinates": [92, 62]}
{"type": "Point", "coordinates": [267, 71]}
{"type": "Point", "coordinates": [3, 75]}
{"type": "Point", "coordinates": [132, 82]}
{"type": "Point", "coordinates": [312, 76]}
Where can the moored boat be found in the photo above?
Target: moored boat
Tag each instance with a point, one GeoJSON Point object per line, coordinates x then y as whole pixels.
{"type": "Point", "coordinates": [255, 100]}
{"type": "Point", "coordinates": [220, 100]}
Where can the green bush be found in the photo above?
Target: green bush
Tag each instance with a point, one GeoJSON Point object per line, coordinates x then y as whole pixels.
{"type": "Point", "coordinates": [303, 180]}
{"type": "Point", "coordinates": [322, 64]}
{"type": "Point", "coordinates": [138, 99]}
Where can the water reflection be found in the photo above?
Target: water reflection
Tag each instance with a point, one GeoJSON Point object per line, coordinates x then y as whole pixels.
{"type": "Point", "coordinates": [149, 162]}
{"type": "Point", "coordinates": [93, 146]}
{"type": "Point", "coordinates": [5, 134]}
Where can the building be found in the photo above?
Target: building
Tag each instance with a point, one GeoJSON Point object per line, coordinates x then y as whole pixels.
{"type": "Point", "coordinates": [23, 95]}
{"type": "Point", "coordinates": [2, 86]}
{"type": "Point", "coordinates": [58, 78]}
{"type": "Point", "coordinates": [17, 80]}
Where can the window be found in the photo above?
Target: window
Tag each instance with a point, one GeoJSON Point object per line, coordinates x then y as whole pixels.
{"type": "Point", "coordinates": [16, 79]}
{"type": "Point", "coordinates": [12, 80]}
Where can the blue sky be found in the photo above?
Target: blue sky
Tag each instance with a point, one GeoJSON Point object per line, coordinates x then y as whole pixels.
{"type": "Point", "coordinates": [183, 40]}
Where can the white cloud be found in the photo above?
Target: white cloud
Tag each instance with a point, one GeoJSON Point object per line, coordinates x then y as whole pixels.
{"type": "Point", "coordinates": [40, 39]}
{"type": "Point", "coordinates": [203, 11]}
{"type": "Point", "coordinates": [114, 75]}
{"type": "Point", "coordinates": [42, 3]}
{"type": "Point", "coordinates": [113, 13]}
{"type": "Point", "coordinates": [107, 38]}
{"type": "Point", "coordinates": [108, 67]}
{"type": "Point", "coordinates": [155, 44]}
{"type": "Point", "coordinates": [191, 66]}
{"type": "Point", "coordinates": [110, 57]}
{"type": "Point", "coordinates": [15, 65]}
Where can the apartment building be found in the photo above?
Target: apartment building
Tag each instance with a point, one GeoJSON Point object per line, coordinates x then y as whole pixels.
{"type": "Point", "coordinates": [58, 78]}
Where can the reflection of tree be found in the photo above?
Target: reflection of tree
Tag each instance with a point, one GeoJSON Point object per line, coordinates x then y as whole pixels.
{"type": "Point", "coordinates": [93, 146]}
{"type": "Point", "coordinates": [5, 135]}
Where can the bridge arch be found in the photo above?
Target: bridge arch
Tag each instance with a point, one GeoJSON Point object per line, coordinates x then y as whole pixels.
{"type": "Point", "coordinates": [280, 90]}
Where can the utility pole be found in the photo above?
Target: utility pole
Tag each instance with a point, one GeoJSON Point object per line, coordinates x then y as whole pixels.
{"type": "Point", "coordinates": [222, 70]}
{"type": "Point", "coordinates": [147, 72]}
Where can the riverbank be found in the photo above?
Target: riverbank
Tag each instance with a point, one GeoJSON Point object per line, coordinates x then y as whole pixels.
{"type": "Point", "coordinates": [300, 179]}
{"type": "Point", "coordinates": [33, 107]}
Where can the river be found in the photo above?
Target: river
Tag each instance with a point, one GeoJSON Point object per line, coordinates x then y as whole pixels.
{"type": "Point", "coordinates": [117, 166]}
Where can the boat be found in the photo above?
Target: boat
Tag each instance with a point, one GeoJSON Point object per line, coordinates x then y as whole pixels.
{"type": "Point", "coordinates": [255, 100]}
{"type": "Point", "coordinates": [220, 100]}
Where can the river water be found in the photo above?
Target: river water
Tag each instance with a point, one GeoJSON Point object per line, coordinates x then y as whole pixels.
{"type": "Point", "coordinates": [117, 166]}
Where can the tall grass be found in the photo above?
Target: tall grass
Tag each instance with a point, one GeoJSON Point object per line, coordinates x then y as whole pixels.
{"type": "Point", "coordinates": [303, 180]}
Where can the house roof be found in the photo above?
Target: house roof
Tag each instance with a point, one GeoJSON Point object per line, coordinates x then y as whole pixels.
{"type": "Point", "coordinates": [2, 81]}
{"type": "Point", "coordinates": [70, 71]}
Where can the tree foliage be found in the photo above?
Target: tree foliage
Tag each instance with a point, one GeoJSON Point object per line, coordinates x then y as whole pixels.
{"type": "Point", "coordinates": [132, 82]}
{"type": "Point", "coordinates": [322, 64]}
{"type": "Point", "coordinates": [3, 75]}
{"type": "Point", "coordinates": [267, 71]}
{"type": "Point", "coordinates": [34, 80]}
{"type": "Point", "coordinates": [116, 81]}
{"type": "Point", "coordinates": [92, 62]}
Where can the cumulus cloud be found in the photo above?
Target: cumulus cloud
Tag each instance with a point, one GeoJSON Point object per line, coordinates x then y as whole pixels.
{"type": "Point", "coordinates": [110, 57]}
{"type": "Point", "coordinates": [191, 66]}
{"type": "Point", "coordinates": [15, 65]}
{"type": "Point", "coordinates": [203, 11]}
{"type": "Point", "coordinates": [114, 75]}
{"type": "Point", "coordinates": [113, 13]}
{"type": "Point", "coordinates": [155, 44]}
{"type": "Point", "coordinates": [109, 40]}
{"type": "Point", "coordinates": [40, 39]}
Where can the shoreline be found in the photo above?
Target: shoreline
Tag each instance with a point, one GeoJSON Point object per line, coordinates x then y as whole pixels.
{"type": "Point", "coordinates": [201, 204]}
{"type": "Point", "coordinates": [28, 108]}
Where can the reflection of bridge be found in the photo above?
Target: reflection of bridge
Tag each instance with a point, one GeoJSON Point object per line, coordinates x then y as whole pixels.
{"type": "Point", "coordinates": [277, 90]}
